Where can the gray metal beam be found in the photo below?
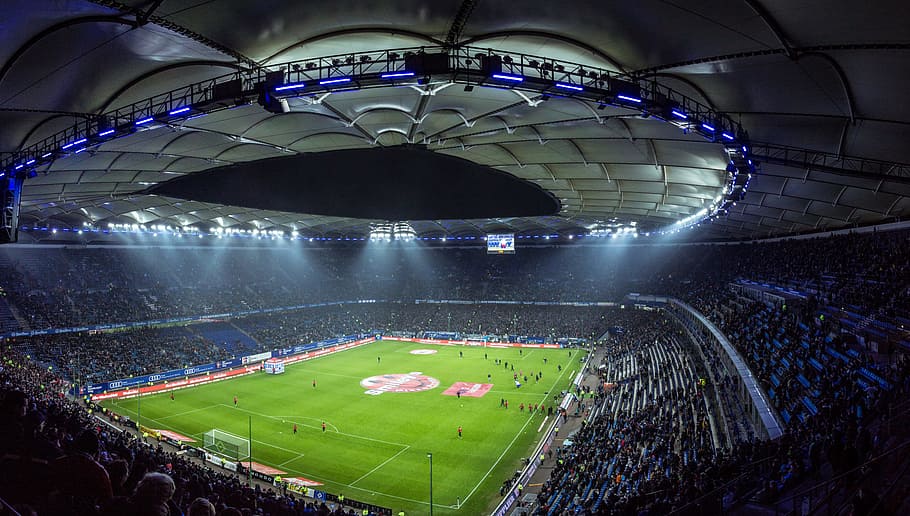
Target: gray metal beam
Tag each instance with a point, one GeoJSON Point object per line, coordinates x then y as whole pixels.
{"type": "Point", "coordinates": [807, 159]}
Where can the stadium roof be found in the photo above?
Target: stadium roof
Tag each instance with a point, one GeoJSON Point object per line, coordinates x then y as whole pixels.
{"type": "Point", "coordinates": [819, 86]}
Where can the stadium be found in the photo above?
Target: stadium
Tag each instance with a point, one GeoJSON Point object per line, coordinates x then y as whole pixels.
{"type": "Point", "coordinates": [454, 257]}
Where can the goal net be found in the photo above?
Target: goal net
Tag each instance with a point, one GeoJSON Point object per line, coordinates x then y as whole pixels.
{"type": "Point", "coordinates": [226, 444]}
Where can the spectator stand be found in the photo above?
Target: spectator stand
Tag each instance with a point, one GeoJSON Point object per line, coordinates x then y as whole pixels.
{"type": "Point", "coordinates": [761, 412]}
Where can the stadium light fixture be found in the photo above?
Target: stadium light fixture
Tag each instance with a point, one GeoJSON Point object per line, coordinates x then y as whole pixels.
{"type": "Point", "coordinates": [628, 98]}
{"type": "Point", "coordinates": [569, 86]}
{"type": "Point", "coordinates": [708, 127]}
{"type": "Point", "coordinates": [339, 80]}
{"type": "Point", "coordinates": [404, 232]}
{"type": "Point", "coordinates": [179, 111]}
{"type": "Point", "coordinates": [108, 132]}
{"type": "Point", "coordinates": [679, 114]}
{"type": "Point", "coordinates": [73, 144]}
{"type": "Point", "coordinates": [396, 75]}
{"type": "Point", "coordinates": [143, 121]}
{"type": "Point", "coordinates": [507, 77]}
{"type": "Point", "coordinates": [292, 86]}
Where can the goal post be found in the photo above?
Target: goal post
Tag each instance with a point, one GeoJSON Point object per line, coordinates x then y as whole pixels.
{"type": "Point", "coordinates": [225, 444]}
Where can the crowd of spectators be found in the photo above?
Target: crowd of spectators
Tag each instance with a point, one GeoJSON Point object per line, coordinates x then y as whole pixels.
{"type": "Point", "coordinates": [658, 440]}
{"type": "Point", "coordinates": [652, 433]}
{"type": "Point", "coordinates": [62, 287]}
{"type": "Point", "coordinates": [96, 357]}
{"type": "Point", "coordinates": [92, 358]}
{"type": "Point", "coordinates": [649, 452]}
{"type": "Point", "coordinates": [56, 459]}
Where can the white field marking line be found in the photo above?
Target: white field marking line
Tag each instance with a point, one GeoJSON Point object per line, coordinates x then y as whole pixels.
{"type": "Point", "coordinates": [270, 445]}
{"type": "Point", "coordinates": [465, 500]}
{"type": "Point", "coordinates": [290, 460]}
{"type": "Point", "coordinates": [124, 409]}
{"type": "Point", "coordinates": [323, 479]}
{"type": "Point", "coordinates": [526, 356]}
{"type": "Point", "coordinates": [288, 418]}
{"type": "Point", "coordinates": [514, 392]}
{"type": "Point", "coordinates": [539, 428]}
{"type": "Point", "coordinates": [187, 412]}
{"type": "Point", "coordinates": [390, 459]}
{"type": "Point", "coordinates": [339, 433]}
{"type": "Point", "coordinates": [318, 372]}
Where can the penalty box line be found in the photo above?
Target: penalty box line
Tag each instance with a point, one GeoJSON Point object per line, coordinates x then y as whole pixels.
{"type": "Point", "coordinates": [402, 445]}
{"type": "Point", "coordinates": [303, 473]}
{"type": "Point", "coordinates": [169, 427]}
{"type": "Point", "coordinates": [365, 490]}
{"type": "Point", "coordinates": [390, 459]}
{"type": "Point", "coordinates": [187, 412]}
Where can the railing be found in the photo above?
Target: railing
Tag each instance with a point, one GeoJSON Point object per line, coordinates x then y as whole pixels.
{"type": "Point", "coordinates": [762, 413]}
{"type": "Point", "coordinates": [464, 64]}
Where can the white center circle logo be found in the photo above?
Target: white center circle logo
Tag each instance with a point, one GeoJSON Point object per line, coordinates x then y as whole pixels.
{"type": "Point", "coordinates": [422, 351]}
{"type": "Point", "coordinates": [410, 382]}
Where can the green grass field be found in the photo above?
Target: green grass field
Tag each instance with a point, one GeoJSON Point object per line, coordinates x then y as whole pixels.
{"type": "Point", "coordinates": [375, 446]}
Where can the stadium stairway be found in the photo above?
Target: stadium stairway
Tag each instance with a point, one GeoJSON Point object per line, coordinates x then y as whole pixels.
{"type": "Point", "coordinates": [570, 427]}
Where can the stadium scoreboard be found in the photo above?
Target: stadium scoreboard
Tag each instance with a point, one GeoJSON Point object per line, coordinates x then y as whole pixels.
{"type": "Point", "coordinates": [501, 244]}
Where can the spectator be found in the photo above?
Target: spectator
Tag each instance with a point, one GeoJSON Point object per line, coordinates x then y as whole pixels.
{"type": "Point", "coordinates": [153, 495]}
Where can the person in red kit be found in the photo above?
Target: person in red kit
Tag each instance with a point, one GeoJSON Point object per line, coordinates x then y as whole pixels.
{"type": "Point", "coordinates": [295, 428]}
{"type": "Point", "coordinates": [459, 432]}
{"type": "Point", "coordinates": [235, 401]}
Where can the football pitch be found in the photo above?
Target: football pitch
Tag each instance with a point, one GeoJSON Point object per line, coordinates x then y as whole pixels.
{"type": "Point", "coordinates": [383, 413]}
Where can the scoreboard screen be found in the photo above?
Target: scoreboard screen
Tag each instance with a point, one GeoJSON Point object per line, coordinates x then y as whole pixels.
{"type": "Point", "coordinates": [501, 244]}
